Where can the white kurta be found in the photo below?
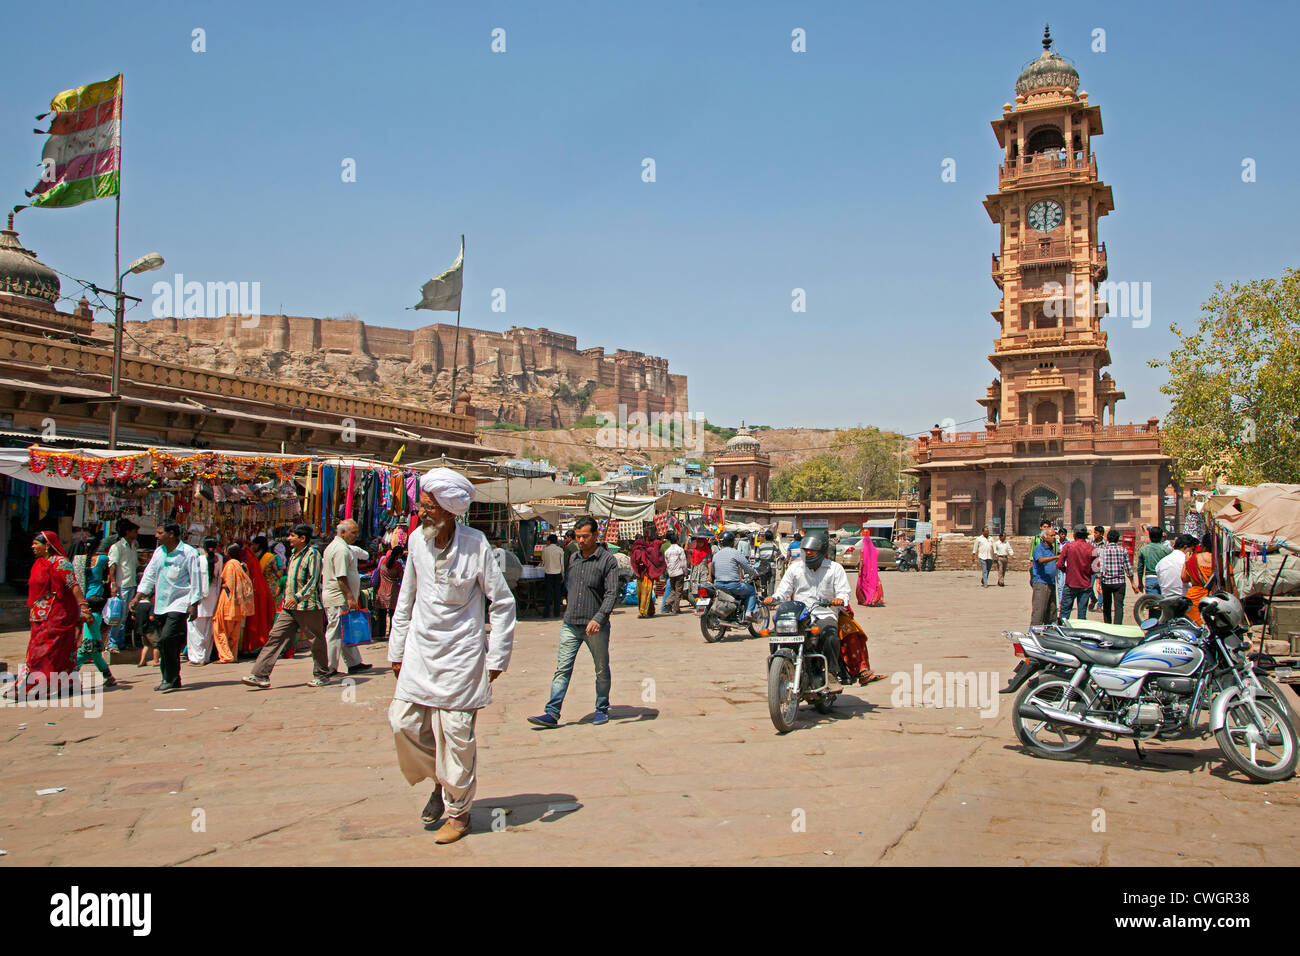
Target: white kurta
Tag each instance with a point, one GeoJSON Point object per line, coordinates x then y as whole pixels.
{"type": "Point", "coordinates": [800, 584]}
{"type": "Point", "coordinates": [438, 623]}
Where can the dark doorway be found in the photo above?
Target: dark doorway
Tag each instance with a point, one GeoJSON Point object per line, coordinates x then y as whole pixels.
{"type": "Point", "coordinates": [1041, 503]}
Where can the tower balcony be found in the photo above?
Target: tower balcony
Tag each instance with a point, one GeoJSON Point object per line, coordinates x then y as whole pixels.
{"type": "Point", "coordinates": [997, 270]}
{"type": "Point", "coordinates": [1043, 169]}
{"type": "Point", "coordinates": [1042, 251]}
{"type": "Point", "coordinates": [1058, 337]}
{"type": "Point", "coordinates": [1099, 267]}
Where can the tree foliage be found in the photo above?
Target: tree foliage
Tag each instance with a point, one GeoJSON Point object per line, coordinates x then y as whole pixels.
{"type": "Point", "coordinates": [817, 479]}
{"type": "Point", "coordinates": [1234, 383]}
{"type": "Point", "coordinates": [865, 458]}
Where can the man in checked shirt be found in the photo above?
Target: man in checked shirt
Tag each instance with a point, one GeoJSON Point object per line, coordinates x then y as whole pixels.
{"type": "Point", "coordinates": [301, 611]}
{"type": "Point", "coordinates": [1116, 572]}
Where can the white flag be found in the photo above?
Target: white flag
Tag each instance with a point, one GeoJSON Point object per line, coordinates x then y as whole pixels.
{"type": "Point", "coordinates": [442, 292]}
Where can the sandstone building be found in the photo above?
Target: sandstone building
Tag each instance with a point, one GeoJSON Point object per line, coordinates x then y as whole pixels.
{"type": "Point", "coordinates": [56, 388]}
{"type": "Point", "coordinates": [530, 377]}
{"type": "Point", "coordinates": [1050, 447]}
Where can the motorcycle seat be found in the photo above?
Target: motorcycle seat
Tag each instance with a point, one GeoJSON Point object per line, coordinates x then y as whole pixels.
{"type": "Point", "coordinates": [1113, 635]}
{"type": "Point", "coordinates": [1100, 627]}
{"type": "Point", "coordinates": [1086, 653]}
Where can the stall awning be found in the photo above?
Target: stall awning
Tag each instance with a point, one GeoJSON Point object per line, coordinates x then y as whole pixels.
{"type": "Point", "coordinates": [14, 462]}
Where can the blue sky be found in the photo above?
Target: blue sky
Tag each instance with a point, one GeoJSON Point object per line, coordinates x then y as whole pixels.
{"type": "Point", "coordinates": [775, 170]}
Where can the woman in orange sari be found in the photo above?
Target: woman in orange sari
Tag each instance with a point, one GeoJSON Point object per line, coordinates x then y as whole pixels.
{"type": "Point", "coordinates": [56, 609]}
{"type": "Point", "coordinates": [1198, 573]}
{"type": "Point", "coordinates": [258, 626]}
{"type": "Point", "coordinates": [234, 605]}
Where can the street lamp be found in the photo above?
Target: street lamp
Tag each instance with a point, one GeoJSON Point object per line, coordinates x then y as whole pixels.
{"type": "Point", "coordinates": [144, 264]}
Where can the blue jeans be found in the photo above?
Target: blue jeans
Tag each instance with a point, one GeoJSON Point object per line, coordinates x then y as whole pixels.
{"type": "Point", "coordinates": [1151, 584]}
{"type": "Point", "coordinates": [742, 590]}
{"type": "Point", "coordinates": [571, 638]}
{"type": "Point", "coordinates": [1073, 595]}
{"type": "Point", "coordinates": [986, 565]}
{"type": "Point", "coordinates": [117, 632]}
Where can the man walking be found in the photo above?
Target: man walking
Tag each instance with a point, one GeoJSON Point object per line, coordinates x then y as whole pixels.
{"type": "Point", "coordinates": [1148, 556]}
{"type": "Point", "coordinates": [341, 593]}
{"type": "Point", "coordinates": [927, 554]}
{"type": "Point", "coordinates": [1169, 570]}
{"type": "Point", "coordinates": [123, 564]}
{"type": "Point", "coordinates": [983, 553]}
{"type": "Point", "coordinates": [1116, 570]}
{"type": "Point", "coordinates": [675, 567]}
{"type": "Point", "coordinates": [553, 566]}
{"type": "Point", "coordinates": [1002, 554]}
{"type": "Point", "coordinates": [177, 580]}
{"type": "Point", "coordinates": [1076, 563]}
{"type": "Point", "coordinates": [1042, 578]}
{"type": "Point", "coordinates": [301, 611]}
{"type": "Point", "coordinates": [593, 588]}
{"type": "Point", "coordinates": [443, 659]}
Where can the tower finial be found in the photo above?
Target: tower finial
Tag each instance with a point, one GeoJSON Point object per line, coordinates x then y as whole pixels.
{"type": "Point", "coordinates": [11, 222]}
{"type": "Point", "coordinates": [1047, 37]}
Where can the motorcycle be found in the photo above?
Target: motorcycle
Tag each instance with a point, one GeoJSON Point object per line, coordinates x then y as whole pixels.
{"type": "Point", "coordinates": [719, 612]}
{"type": "Point", "coordinates": [1152, 686]}
{"type": "Point", "coordinates": [796, 669]}
{"type": "Point", "coordinates": [905, 559]}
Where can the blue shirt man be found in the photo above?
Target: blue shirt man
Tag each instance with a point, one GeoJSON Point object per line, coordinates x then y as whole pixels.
{"type": "Point", "coordinates": [1044, 571]}
{"type": "Point", "coordinates": [727, 566]}
{"type": "Point", "coordinates": [1042, 580]}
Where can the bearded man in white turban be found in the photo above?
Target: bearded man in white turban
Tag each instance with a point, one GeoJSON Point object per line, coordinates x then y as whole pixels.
{"type": "Point", "coordinates": [444, 660]}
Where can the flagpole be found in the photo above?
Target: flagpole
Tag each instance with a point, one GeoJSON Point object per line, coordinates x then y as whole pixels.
{"type": "Point", "coordinates": [455, 352]}
{"type": "Point", "coordinates": [117, 271]}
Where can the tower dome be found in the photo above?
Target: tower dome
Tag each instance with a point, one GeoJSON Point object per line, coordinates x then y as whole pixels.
{"type": "Point", "coordinates": [21, 273]}
{"type": "Point", "coordinates": [1048, 72]}
{"type": "Point", "coordinates": [742, 443]}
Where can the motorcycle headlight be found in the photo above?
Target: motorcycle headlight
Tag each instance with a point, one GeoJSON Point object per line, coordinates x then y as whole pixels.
{"type": "Point", "coordinates": [787, 625]}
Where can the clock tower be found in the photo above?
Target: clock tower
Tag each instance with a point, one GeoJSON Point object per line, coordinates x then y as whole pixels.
{"type": "Point", "coordinates": [1051, 447]}
{"type": "Point", "coordinates": [1051, 350]}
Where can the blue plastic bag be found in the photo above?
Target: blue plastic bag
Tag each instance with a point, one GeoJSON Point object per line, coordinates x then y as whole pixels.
{"type": "Point", "coordinates": [629, 593]}
{"type": "Point", "coordinates": [355, 627]}
{"type": "Point", "coordinates": [112, 613]}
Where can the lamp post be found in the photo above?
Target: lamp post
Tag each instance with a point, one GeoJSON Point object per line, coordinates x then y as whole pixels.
{"type": "Point", "coordinates": [144, 264]}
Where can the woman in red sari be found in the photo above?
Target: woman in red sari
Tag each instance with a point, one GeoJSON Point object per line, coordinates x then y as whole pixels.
{"type": "Point", "coordinates": [258, 626]}
{"type": "Point", "coordinates": [56, 608]}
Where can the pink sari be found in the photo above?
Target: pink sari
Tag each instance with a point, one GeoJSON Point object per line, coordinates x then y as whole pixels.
{"type": "Point", "coordinates": [870, 592]}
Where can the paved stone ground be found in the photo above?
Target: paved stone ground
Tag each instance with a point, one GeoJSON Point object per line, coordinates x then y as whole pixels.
{"type": "Point", "coordinates": [689, 771]}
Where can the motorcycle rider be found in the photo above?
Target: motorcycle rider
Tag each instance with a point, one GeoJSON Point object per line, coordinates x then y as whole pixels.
{"type": "Point", "coordinates": [729, 568]}
{"type": "Point", "coordinates": [807, 579]}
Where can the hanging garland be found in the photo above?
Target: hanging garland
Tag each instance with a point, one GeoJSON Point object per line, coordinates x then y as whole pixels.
{"type": "Point", "coordinates": [210, 466]}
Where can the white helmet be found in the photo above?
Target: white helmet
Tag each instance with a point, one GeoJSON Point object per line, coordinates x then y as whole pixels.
{"type": "Point", "coordinates": [1222, 611]}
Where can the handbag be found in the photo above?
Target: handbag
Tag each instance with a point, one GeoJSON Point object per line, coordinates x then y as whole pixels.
{"type": "Point", "coordinates": [355, 627]}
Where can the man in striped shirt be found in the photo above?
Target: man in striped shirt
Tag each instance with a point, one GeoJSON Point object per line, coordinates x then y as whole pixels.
{"type": "Point", "coordinates": [301, 611]}
{"type": "Point", "coordinates": [1116, 571]}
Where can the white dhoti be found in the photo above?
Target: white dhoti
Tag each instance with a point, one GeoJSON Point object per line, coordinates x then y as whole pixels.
{"type": "Point", "coordinates": [439, 745]}
{"type": "Point", "coordinates": [198, 640]}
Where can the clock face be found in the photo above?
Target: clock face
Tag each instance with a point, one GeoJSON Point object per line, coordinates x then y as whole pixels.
{"type": "Point", "coordinates": [1045, 215]}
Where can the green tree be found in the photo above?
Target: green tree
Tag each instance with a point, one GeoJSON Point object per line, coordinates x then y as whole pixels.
{"type": "Point", "coordinates": [585, 469]}
{"type": "Point", "coordinates": [1234, 383]}
{"type": "Point", "coordinates": [872, 460]}
{"type": "Point", "coordinates": [818, 479]}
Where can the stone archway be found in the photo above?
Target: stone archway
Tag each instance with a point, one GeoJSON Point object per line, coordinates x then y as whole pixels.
{"type": "Point", "coordinates": [1040, 502]}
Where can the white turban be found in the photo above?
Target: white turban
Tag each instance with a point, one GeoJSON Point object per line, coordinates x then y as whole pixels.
{"type": "Point", "coordinates": [451, 490]}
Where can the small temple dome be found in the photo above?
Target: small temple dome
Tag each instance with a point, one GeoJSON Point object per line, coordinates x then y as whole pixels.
{"type": "Point", "coordinates": [742, 443]}
{"type": "Point", "coordinates": [21, 273]}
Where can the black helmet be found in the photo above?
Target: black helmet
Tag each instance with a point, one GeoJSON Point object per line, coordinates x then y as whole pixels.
{"type": "Point", "coordinates": [814, 541]}
{"type": "Point", "coordinates": [727, 539]}
{"type": "Point", "coordinates": [1222, 611]}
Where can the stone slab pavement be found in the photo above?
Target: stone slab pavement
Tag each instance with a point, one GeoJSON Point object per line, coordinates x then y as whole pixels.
{"type": "Point", "coordinates": [688, 771]}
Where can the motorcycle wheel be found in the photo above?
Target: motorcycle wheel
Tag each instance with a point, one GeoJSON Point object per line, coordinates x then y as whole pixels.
{"type": "Point", "coordinates": [1244, 749]}
{"type": "Point", "coordinates": [1143, 607]}
{"type": "Point", "coordinates": [762, 617]}
{"type": "Point", "coordinates": [1280, 698]}
{"type": "Point", "coordinates": [782, 695]}
{"type": "Point", "coordinates": [1040, 736]}
{"type": "Point", "coordinates": [714, 634]}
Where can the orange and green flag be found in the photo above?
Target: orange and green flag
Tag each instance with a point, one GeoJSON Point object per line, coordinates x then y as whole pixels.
{"type": "Point", "coordinates": [82, 158]}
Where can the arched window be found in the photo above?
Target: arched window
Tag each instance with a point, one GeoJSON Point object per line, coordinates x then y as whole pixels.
{"type": "Point", "coordinates": [1045, 413]}
{"type": "Point", "coordinates": [1046, 139]}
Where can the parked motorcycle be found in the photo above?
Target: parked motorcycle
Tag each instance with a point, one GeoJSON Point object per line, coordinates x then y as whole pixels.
{"type": "Point", "coordinates": [719, 612]}
{"type": "Point", "coordinates": [1153, 686]}
{"type": "Point", "coordinates": [796, 669]}
{"type": "Point", "coordinates": [905, 559]}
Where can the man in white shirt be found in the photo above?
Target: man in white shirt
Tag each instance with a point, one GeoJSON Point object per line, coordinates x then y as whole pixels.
{"type": "Point", "coordinates": [983, 552]}
{"type": "Point", "coordinates": [813, 579]}
{"type": "Point", "coordinates": [178, 581]}
{"type": "Point", "coordinates": [553, 566]}
{"type": "Point", "coordinates": [675, 568]}
{"type": "Point", "coordinates": [340, 592]}
{"type": "Point", "coordinates": [1002, 554]}
{"type": "Point", "coordinates": [123, 565]}
{"type": "Point", "coordinates": [1169, 569]}
{"type": "Point", "coordinates": [443, 658]}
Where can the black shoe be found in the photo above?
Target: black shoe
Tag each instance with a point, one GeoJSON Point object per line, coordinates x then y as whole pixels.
{"type": "Point", "coordinates": [358, 668]}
